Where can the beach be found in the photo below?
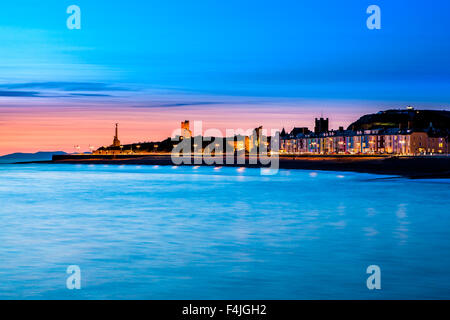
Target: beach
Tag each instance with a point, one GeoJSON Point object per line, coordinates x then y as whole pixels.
{"type": "Point", "coordinates": [411, 167]}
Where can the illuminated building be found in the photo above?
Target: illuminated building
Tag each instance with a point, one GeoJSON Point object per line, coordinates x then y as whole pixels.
{"type": "Point", "coordinates": [185, 132]}
{"type": "Point", "coordinates": [380, 141]}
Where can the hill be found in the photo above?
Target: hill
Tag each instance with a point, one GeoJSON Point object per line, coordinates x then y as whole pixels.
{"type": "Point", "coordinates": [406, 119]}
{"type": "Point", "coordinates": [22, 157]}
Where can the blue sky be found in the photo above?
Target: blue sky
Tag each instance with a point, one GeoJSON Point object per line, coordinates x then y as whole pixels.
{"type": "Point", "coordinates": [280, 63]}
{"type": "Point", "coordinates": [314, 49]}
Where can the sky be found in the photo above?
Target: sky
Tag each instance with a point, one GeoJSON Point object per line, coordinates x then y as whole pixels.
{"type": "Point", "coordinates": [232, 64]}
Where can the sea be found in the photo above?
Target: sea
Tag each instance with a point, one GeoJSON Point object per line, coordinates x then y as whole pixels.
{"type": "Point", "coordinates": [163, 232]}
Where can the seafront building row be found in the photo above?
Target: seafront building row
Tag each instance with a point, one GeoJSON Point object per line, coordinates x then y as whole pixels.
{"type": "Point", "coordinates": [379, 141]}
{"type": "Point", "coordinates": [392, 132]}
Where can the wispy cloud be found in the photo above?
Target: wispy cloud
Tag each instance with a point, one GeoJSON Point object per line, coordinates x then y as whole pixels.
{"type": "Point", "coordinates": [89, 95]}
{"type": "Point", "coordinates": [177, 104]}
{"type": "Point", "coordinates": [13, 93]}
{"type": "Point", "coordinates": [65, 86]}
{"type": "Point", "coordinates": [59, 89]}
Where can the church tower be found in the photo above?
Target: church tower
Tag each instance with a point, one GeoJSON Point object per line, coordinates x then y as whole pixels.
{"type": "Point", "coordinates": [116, 141]}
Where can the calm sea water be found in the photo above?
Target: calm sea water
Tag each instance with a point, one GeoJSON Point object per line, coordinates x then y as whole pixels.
{"type": "Point", "coordinates": [143, 232]}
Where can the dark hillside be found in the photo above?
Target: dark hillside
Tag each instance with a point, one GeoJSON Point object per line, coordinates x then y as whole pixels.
{"type": "Point", "coordinates": [405, 119]}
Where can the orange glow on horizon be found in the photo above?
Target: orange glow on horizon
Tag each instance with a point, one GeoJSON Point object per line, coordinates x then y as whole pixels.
{"type": "Point", "coordinates": [32, 129]}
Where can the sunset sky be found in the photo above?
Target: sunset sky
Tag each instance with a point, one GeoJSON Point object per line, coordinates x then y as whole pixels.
{"type": "Point", "coordinates": [232, 64]}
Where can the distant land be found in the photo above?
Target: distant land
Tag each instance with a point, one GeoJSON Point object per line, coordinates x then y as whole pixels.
{"type": "Point", "coordinates": [38, 156]}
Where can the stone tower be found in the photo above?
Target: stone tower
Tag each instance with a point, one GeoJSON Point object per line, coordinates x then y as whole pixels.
{"type": "Point", "coordinates": [116, 141]}
{"type": "Point", "coordinates": [185, 132]}
{"type": "Point", "coordinates": [321, 125]}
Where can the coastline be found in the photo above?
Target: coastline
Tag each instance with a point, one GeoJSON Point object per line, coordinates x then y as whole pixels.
{"type": "Point", "coordinates": [410, 167]}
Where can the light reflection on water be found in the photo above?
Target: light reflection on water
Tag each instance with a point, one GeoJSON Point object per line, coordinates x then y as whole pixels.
{"type": "Point", "coordinates": [149, 232]}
